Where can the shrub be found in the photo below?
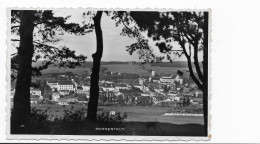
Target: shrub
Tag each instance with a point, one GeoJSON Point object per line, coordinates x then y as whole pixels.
{"type": "Point", "coordinates": [107, 118]}
{"type": "Point", "coordinates": [74, 115]}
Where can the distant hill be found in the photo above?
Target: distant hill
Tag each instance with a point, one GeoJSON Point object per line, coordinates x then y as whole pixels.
{"type": "Point", "coordinates": [173, 64]}
{"type": "Point", "coordinates": [127, 67]}
{"type": "Point", "coordinates": [162, 64]}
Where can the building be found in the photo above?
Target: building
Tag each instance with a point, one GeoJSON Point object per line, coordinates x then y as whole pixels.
{"type": "Point", "coordinates": [146, 94]}
{"type": "Point", "coordinates": [107, 86]}
{"type": "Point", "coordinates": [55, 96]}
{"type": "Point", "coordinates": [35, 92]}
{"type": "Point", "coordinates": [172, 96]}
{"type": "Point", "coordinates": [86, 86]}
{"type": "Point", "coordinates": [64, 92]}
{"type": "Point", "coordinates": [198, 93]}
{"type": "Point", "coordinates": [153, 73]}
{"type": "Point", "coordinates": [61, 85]}
{"type": "Point", "coordinates": [167, 78]}
{"type": "Point", "coordinates": [121, 86]}
{"type": "Point", "coordinates": [53, 84]}
{"type": "Point", "coordinates": [66, 85]}
{"type": "Point", "coordinates": [80, 90]}
{"type": "Point", "coordinates": [138, 86]}
{"type": "Point", "coordinates": [178, 79]}
{"type": "Point", "coordinates": [170, 78]}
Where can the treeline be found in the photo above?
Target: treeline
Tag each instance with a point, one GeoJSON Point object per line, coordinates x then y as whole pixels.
{"type": "Point", "coordinates": [173, 64]}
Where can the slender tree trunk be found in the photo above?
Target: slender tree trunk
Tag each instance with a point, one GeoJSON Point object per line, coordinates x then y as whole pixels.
{"type": "Point", "coordinates": [205, 71]}
{"type": "Point", "coordinates": [21, 109]}
{"type": "Point", "coordinates": [94, 82]}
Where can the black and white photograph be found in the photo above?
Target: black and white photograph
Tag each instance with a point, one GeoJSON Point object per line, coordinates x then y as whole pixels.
{"type": "Point", "coordinates": [107, 72]}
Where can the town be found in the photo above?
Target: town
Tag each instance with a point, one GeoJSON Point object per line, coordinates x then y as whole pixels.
{"type": "Point", "coordinates": [122, 89]}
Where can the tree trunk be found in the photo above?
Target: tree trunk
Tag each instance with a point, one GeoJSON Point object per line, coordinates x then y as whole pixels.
{"type": "Point", "coordinates": [21, 108]}
{"type": "Point", "coordinates": [205, 72]}
{"type": "Point", "coordinates": [94, 82]}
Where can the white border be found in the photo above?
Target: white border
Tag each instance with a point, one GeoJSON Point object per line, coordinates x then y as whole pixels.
{"type": "Point", "coordinates": [103, 137]}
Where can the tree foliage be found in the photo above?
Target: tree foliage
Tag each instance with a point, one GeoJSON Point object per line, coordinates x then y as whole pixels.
{"type": "Point", "coordinates": [47, 31]}
{"type": "Point", "coordinates": [167, 28]}
{"type": "Point", "coordinates": [188, 29]}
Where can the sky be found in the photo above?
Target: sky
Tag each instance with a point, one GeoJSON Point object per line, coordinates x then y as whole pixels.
{"type": "Point", "coordinates": [114, 44]}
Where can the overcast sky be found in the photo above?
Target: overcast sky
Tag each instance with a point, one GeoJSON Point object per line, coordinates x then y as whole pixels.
{"type": "Point", "coordinates": [114, 43]}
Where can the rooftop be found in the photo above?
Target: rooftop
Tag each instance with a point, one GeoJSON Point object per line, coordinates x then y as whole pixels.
{"type": "Point", "coordinates": [65, 83]}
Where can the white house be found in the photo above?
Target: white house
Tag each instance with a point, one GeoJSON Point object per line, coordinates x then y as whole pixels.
{"type": "Point", "coordinates": [170, 78]}
{"type": "Point", "coordinates": [35, 92]}
{"type": "Point", "coordinates": [146, 94]}
{"type": "Point", "coordinates": [167, 78]}
{"type": "Point", "coordinates": [66, 85]}
{"type": "Point", "coordinates": [85, 86]}
{"type": "Point", "coordinates": [64, 92]}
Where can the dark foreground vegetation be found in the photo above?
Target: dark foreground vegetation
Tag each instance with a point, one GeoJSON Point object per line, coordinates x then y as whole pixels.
{"type": "Point", "coordinates": [74, 122]}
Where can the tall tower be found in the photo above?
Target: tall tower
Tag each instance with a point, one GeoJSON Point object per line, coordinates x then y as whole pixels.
{"type": "Point", "coordinates": [153, 73]}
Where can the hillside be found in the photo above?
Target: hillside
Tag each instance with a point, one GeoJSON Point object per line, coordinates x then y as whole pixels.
{"type": "Point", "coordinates": [127, 67]}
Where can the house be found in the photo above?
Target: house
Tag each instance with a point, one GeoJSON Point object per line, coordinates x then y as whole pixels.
{"type": "Point", "coordinates": [122, 86]}
{"type": "Point", "coordinates": [80, 90]}
{"type": "Point", "coordinates": [53, 84]}
{"type": "Point", "coordinates": [172, 96]}
{"type": "Point", "coordinates": [178, 79]}
{"type": "Point", "coordinates": [167, 78]}
{"type": "Point", "coordinates": [64, 92]}
{"type": "Point", "coordinates": [138, 86]}
{"type": "Point", "coordinates": [170, 78]}
{"type": "Point", "coordinates": [146, 94]}
{"type": "Point", "coordinates": [63, 103]}
{"type": "Point", "coordinates": [35, 91]}
{"type": "Point", "coordinates": [177, 98]}
{"type": "Point", "coordinates": [198, 93]}
{"type": "Point", "coordinates": [107, 86]}
{"type": "Point", "coordinates": [197, 100]}
{"type": "Point", "coordinates": [55, 96]}
{"type": "Point", "coordinates": [86, 86]}
{"type": "Point", "coordinates": [66, 85]}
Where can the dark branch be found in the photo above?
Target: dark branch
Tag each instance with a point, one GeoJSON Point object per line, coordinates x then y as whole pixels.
{"type": "Point", "coordinates": [196, 63]}
{"type": "Point", "coordinates": [12, 27]}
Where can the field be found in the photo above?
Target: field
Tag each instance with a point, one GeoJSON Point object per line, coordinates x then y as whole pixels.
{"type": "Point", "coordinates": [122, 68]}
{"type": "Point", "coordinates": [135, 114]}
{"type": "Point", "coordinates": [152, 114]}
{"type": "Point", "coordinates": [173, 70]}
{"type": "Point", "coordinates": [77, 70]}
{"type": "Point", "coordinates": [125, 68]}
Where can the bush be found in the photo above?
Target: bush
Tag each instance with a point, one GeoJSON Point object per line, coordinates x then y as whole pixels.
{"type": "Point", "coordinates": [107, 118]}
{"type": "Point", "coordinates": [72, 122]}
{"type": "Point", "coordinates": [74, 115]}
